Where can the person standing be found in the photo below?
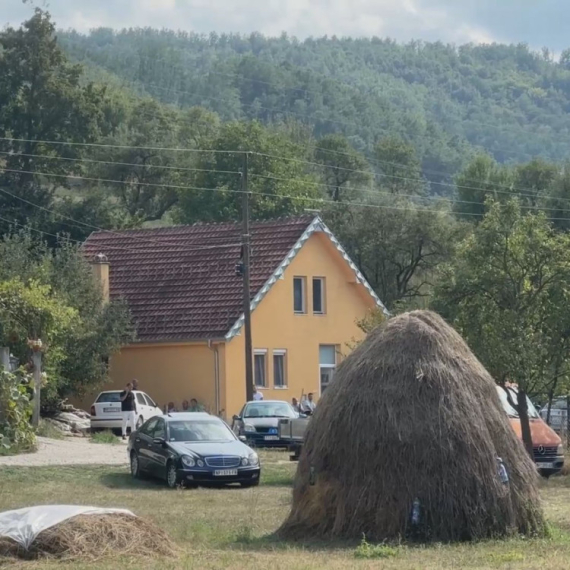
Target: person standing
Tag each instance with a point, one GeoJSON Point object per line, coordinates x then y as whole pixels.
{"type": "Point", "coordinates": [195, 406]}
{"type": "Point", "coordinates": [185, 406]}
{"type": "Point", "coordinates": [135, 384]}
{"type": "Point", "coordinates": [295, 405]}
{"type": "Point", "coordinates": [128, 409]}
{"type": "Point", "coordinates": [311, 404]}
{"type": "Point", "coordinates": [257, 395]}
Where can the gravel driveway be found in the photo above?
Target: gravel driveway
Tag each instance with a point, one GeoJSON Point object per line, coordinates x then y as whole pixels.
{"type": "Point", "coordinates": [69, 451]}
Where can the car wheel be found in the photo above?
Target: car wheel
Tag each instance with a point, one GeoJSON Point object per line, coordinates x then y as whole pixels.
{"type": "Point", "coordinates": [135, 466]}
{"type": "Point", "coordinates": [172, 479]}
{"type": "Point", "coordinates": [140, 422]}
{"type": "Point", "coordinates": [250, 484]}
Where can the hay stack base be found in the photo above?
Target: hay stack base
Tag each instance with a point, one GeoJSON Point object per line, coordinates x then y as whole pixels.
{"type": "Point", "coordinates": [405, 444]}
{"type": "Point", "coordinates": [90, 537]}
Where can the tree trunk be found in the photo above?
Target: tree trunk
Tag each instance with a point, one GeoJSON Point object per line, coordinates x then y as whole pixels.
{"type": "Point", "coordinates": [522, 409]}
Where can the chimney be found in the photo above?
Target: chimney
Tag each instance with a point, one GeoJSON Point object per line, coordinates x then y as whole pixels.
{"type": "Point", "coordinates": [100, 265]}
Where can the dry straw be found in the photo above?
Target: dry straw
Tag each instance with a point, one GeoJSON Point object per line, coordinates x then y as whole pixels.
{"type": "Point", "coordinates": [90, 537]}
{"type": "Point", "coordinates": [412, 414]}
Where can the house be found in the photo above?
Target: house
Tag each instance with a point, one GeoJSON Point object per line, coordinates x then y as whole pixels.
{"type": "Point", "coordinates": [184, 290]}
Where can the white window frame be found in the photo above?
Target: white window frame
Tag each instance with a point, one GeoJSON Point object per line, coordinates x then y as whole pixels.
{"type": "Point", "coordinates": [283, 353]}
{"type": "Point", "coordinates": [304, 296]}
{"type": "Point", "coordinates": [260, 352]}
{"type": "Point", "coordinates": [327, 366]}
{"type": "Point", "coordinates": [322, 281]}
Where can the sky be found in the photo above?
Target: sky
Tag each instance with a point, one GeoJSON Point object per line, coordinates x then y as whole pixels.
{"type": "Point", "coordinates": [536, 22]}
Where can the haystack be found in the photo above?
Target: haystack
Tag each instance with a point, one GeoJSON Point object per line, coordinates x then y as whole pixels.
{"type": "Point", "coordinates": [406, 443]}
{"type": "Point", "coordinates": [90, 537]}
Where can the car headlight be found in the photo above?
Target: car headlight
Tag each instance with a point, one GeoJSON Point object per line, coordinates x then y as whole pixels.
{"type": "Point", "coordinates": [253, 459]}
{"type": "Point", "coordinates": [200, 463]}
{"type": "Point", "coordinates": [249, 428]}
{"type": "Point", "coordinates": [244, 461]}
{"type": "Point", "coordinates": [188, 461]}
{"type": "Point", "coordinates": [560, 450]}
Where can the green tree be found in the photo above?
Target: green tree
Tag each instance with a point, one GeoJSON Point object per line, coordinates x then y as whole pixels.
{"type": "Point", "coordinates": [63, 284]}
{"type": "Point", "coordinates": [343, 169]}
{"type": "Point", "coordinates": [42, 97]}
{"type": "Point", "coordinates": [399, 166]}
{"type": "Point", "coordinates": [506, 292]}
{"type": "Point", "coordinates": [397, 245]}
{"type": "Point", "coordinates": [277, 177]}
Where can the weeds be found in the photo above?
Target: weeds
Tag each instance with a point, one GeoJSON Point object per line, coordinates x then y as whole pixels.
{"type": "Point", "coordinates": [374, 551]}
{"type": "Point", "coordinates": [104, 437]}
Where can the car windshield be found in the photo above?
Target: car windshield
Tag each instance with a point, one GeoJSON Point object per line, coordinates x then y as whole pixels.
{"type": "Point", "coordinates": [207, 430]}
{"type": "Point", "coordinates": [269, 410]}
{"type": "Point", "coordinates": [511, 412]}
{"type": "Point", "coordinates": [107, 397]}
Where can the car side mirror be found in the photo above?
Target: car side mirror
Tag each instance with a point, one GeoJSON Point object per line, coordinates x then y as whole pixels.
{"type": "Point", "coordinates": [242, 438]}
{"type": "Point", "coordinates": [159, 441]}
{"type": "Point", "coordinates": [236, 418]}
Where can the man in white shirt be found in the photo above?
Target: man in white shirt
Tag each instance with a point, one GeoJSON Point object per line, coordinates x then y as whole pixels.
{"type": "Point", "coordinates": [308, 405]}
{"type": "Point", "coordinates": [257, 395]}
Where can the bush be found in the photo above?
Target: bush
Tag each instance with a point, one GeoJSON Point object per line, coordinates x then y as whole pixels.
{"type": "Point", "coordinates": [16, 432]}
{"type": "Point", "coordinates": [372, 551]}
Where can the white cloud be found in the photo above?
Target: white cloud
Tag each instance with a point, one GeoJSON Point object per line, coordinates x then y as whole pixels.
{"type": "Point", "coordinates": [456, 21]}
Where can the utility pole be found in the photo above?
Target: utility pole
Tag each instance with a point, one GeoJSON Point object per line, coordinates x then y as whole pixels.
{"type": "Point", "coordinates": [246, 252]}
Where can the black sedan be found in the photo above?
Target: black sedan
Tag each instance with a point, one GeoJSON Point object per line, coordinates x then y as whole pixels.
{"type": "Point", "coordinates": [192, 449]}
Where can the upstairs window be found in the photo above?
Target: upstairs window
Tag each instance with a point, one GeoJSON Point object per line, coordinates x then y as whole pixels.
{"type": "Point", "coordinates": [319, 295]}
{"type": "Point", "coordinates": [299, 289]}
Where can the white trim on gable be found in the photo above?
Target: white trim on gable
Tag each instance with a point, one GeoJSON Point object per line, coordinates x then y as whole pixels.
{"type": "Point", "coordinates": [317, 225]}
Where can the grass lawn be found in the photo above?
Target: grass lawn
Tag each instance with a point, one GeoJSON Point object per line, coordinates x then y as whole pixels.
{"type": "Point", "coordinates": [231, 528]}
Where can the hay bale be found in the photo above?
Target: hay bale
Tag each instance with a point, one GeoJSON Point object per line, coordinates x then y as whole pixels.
{"type": "Point", "coordinates": [412, 414]}
{"type": "Point", "coordinates": [90, 537]}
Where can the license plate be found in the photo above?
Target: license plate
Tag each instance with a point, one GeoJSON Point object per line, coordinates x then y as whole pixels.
{"type": "Point", "coordinates": [545, 465]}
{"type": "Point", "coordinates": [271, 437]}
{"type": "Point", "coordinates": [225, 472]}
{"type": "Point", "coordinates": [110, 410]}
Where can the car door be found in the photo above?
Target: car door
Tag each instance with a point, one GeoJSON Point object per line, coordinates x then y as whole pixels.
{"type": "Point", "coordinates": [143, 444]}
{"type": "Point", "coordinates": [142, 407]}
{"type": "Point", "coordinates": [159, 453]}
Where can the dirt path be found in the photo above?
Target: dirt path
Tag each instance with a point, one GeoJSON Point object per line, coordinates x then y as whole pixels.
{"type": "Point", "coordinates": [69, 451]}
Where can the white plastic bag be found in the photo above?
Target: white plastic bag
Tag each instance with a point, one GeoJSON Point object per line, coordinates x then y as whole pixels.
{"type": "Point", "coordinates": [23, 525]}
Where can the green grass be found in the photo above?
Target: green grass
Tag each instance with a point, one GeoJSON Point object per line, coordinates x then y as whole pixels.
{"type": "Point", "coordinates": [105, 437]}
{"type": "Point", "coordinates": [233, 528]}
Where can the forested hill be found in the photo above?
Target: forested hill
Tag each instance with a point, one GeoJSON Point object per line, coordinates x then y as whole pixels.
{"type": "Point", "coordinates": [511, 101]}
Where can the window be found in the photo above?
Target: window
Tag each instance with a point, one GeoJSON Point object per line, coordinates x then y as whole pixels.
{"type": "Point", "coordinates": [159, 430]}
{"type": "Point", "coordinates": [260, 368]}
{"type": "Point", "coordinates": [279, 369]}
{"type": "Point", "coordinates": [319, 295]}
{"type": "Point", "coordinates": [107, 397]}
{"type": "Point", "coordinates": [140, 399]}
{"type": "Point", "coordinates": [148, 428]}
{"type": "Point", "coordinates": [268, 410]}
{"type": "Point", "coordinates": [299, 288]}
{"type": "Point", "coordinates": [327, 364]}
{"type": "Point", "coordinates": [149, 401]}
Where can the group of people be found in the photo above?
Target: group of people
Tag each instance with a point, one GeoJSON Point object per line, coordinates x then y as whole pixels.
{"type": "Point", "coordinates": [187, 406]}
{"type": "Point", "coordinates": [307, 405]}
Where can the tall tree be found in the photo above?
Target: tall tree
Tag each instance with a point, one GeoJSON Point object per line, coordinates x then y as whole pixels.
{"type": "Point", "coordinates": [42, 98]}
{"type": "Point", "coordinates": [399, 166]}
{"type": "Point", "coordinates": [506, 291]}
{"type": "Point", "coordinates": [343, 170]}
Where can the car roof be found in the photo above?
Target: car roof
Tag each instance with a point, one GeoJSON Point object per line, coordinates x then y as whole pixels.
{"type": "Point", "coordinates": [189, 416]}
{"type": "Point", "coordinates": [267, 402]}
{"type": "Point", "coordinates": [117, 391]}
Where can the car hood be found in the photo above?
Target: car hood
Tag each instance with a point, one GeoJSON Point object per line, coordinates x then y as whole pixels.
{"type": "Point", "coordinates": [540, 432]}
{"type": "Point", "coordinates": [206, 449]}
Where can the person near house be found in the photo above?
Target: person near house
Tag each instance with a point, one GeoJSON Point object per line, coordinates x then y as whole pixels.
{"type": "Point", "coordinates": [171, 408]}
{"type": "Point", "coordinates": [128, 409]}
{"type": "Point", "coordinates": [295, 405]}
{"type": "Point", "coordinates": [185, 406]}
{"type": "Point", "coordinates": [257, 395]}
{"type": "Point", "coordinates": [135, 384]}
{"type": "Point", "coordinates": [195, 406]}
{"type": "Point", "coordinates": [308, 405]}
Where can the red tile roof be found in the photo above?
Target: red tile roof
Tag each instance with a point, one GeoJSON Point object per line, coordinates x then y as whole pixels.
{"type": "Point", "coordinates": [180, 282]}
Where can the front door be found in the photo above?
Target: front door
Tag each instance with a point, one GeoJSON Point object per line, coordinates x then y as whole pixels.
{"type": "Point", "coordinates": [327, 365]}
{"type": "Point", "coordinates": [159, 454]}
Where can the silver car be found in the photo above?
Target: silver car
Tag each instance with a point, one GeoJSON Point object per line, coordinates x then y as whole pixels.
{"type": "Point", "coordinates": [258, 422]}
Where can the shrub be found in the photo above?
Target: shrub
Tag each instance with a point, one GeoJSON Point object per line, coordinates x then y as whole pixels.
{"type": "Point", "coordinates": [16, 432]}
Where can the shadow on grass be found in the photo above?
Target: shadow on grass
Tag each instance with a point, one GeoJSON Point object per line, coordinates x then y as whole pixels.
{"type": "Point", "coordinates": [273, 542]}
{"type": "Point", "coordinates": [125, 481]}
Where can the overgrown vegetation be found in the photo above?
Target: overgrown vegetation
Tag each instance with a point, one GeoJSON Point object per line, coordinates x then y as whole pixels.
{"type": "Point", "coordinates": [16, 433]}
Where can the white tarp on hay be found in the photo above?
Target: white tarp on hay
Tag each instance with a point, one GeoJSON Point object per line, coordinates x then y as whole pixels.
{"type": "Point", "coordinates": [23, 525]}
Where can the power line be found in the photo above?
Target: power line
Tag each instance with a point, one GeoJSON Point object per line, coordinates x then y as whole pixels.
{"type": "Point", "coordinates": [269, 194]}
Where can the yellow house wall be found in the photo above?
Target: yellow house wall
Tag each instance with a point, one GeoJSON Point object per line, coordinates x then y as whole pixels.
{"type": "Point", "coordinates": [275, 325]}
{"type": "Point", "coordinates": [167, 373]}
